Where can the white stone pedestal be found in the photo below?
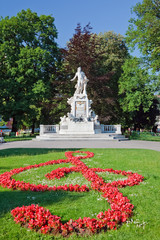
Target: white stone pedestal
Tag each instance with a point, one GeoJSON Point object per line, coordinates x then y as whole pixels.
{"type": "Point", "coordinates": [81, 119]}
{"type": "Point", "coordinates": [77, 128]}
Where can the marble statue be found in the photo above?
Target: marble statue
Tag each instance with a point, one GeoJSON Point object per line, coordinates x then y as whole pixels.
{"type": "Point", "coordinates": [81, 82]}
{"type": "Point", "coordinates": [63, 119]}
{"type": "Point", "coordinates": [81, 119]}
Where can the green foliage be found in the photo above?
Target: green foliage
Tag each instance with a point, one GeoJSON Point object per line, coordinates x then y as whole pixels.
{"type": "Point", "coordinates": [113, 53]}
{"type": "Point", "coordinates": [135, 85]}
{"type": "Point", "coordinates": [28, 59]}
{"type": "Point", "coordinates": [136, 91]}
{"type": "Point", "coordinates": [144, 223]}
{"type": "Point", "coordinates": [144, 31]}
{"type": "Point", "coordinates": [2, 122]}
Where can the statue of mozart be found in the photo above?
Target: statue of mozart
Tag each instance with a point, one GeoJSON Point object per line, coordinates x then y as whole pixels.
{"type": "Point", "coordinates": [81, 82]}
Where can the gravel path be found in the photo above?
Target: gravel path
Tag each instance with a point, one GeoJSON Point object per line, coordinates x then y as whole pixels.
{"type": "Point", "coordinates": [82, 144]}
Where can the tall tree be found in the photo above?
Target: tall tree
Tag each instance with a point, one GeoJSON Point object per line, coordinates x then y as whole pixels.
{"type": "Point", "coordinates": [137, 90]}
{"type": "Point", "coordinates": [144, 31]}
{"type": "Point", "coordinates": [114, 53]}
{"type": "Point", "coordinates": [28, 62]}
{"type": "Point", "coordinates": [81, 50]}
{"type": "Point", "coordinates": [138, 85]}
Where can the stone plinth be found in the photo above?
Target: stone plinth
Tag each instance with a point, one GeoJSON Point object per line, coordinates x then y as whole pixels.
{"type": "Point", "coordinates": [81, 119]}
{"type": "Point", "coordinates": [80, 106]}
{"type": "Point", "coordinates": [77, 128]}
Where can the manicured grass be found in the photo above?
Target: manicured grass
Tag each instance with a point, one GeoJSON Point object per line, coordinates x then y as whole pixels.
{"type": "Point", "coordinates": [145, 222]}
{"type": "Point", "coordinates": [18, 138]}
{"type": "Point", "coordinates": [146, 136]}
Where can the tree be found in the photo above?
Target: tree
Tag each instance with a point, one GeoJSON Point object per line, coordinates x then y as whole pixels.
{"type": "Point", "coordinates": [137, 90]}
{"type": "Point", "coordinates": [81, 50]}
{"type": "Point", "coordinates": [101, 57]}
{"type": "Point", "coordinates": [28, 62]}
{"type": "Point", "coordinates": [36, 87]}
{"type": "Point", "coordinates": [114, 50]}
{"type": "Point", "coordinates": [114, 53]}
{"type": "Point", "coordinates": [144, 31]}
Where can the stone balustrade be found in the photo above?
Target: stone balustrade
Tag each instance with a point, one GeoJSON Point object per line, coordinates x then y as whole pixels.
{"type": "Point", "coordinates": [111, 129]}
{"type": "Point", "coordinates": [49, 129]}
{"type": "Point", "coordinates": [44, 129]}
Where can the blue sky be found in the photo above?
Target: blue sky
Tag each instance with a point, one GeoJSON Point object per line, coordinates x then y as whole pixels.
{"type": "Point", "coordinates": [104, 15]}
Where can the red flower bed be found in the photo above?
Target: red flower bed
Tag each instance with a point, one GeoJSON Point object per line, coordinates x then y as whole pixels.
{"type": "Point", "coordinates": [8, 182]}
{"type": "Point", "coordinates": [40, 219]}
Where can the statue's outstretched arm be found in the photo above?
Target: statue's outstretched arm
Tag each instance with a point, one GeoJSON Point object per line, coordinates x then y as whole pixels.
{"type": "Point", "coordinates": [74, 77]}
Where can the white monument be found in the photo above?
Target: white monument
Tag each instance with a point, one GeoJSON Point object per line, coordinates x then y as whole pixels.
{"type": "Point", "coordinates": [81, 119]}
{"type": "Point", "coordinates": [81, 122]}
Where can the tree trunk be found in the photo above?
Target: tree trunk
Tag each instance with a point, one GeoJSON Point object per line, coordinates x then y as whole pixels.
{"type": "Point", "coordinates": [14, 125]}
{"type": "Point", "coordinates": [33, 126]}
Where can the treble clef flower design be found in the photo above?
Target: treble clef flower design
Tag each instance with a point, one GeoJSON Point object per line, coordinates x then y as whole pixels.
{"type": "Point", "coordinates": [40, 219]}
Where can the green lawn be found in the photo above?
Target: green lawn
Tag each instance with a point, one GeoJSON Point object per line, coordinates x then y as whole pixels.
{"type": "Point", "coordinates": [145, 222]}
{"type": "Point", "coordinates": [146, 136]}
{"type": "Point", "coordinates": [18, 138]}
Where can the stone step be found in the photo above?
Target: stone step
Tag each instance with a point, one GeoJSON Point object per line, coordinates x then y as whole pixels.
{"type": "Point", "coordinates": [80, 137]}
{"type": "Point", "coordinates": [102, 135]}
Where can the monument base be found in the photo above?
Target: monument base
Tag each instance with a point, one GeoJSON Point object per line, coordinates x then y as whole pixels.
{"type": "Point", "coordinates": [77, 128]}
{"type": "Point", "coordinates": [80, 137]}
{"type": "Point", "coordinates": [81, 119]}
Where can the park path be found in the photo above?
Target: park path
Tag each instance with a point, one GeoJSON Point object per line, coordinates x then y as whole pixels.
{"type": "Point", "coordinates": [66, 144]}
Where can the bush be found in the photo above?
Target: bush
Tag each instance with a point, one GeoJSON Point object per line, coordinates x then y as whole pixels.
{"type": "Point", "coordinates": [12, 134]}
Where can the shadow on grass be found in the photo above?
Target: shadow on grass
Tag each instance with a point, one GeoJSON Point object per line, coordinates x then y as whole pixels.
{"type": "Point", "coordinates": [30, 151]}
{"type": "Point", "coordinates": [5, 168]}
{"type": "Point", "coordinates": [12, 199]}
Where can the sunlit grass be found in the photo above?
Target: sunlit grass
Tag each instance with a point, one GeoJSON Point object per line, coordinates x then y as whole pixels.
{"type": "Point", "coordinates": [37, 176]}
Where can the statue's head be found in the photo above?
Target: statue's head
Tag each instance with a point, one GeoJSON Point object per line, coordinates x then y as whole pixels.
{"type": "Point", "coordinates": [79, 69]}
